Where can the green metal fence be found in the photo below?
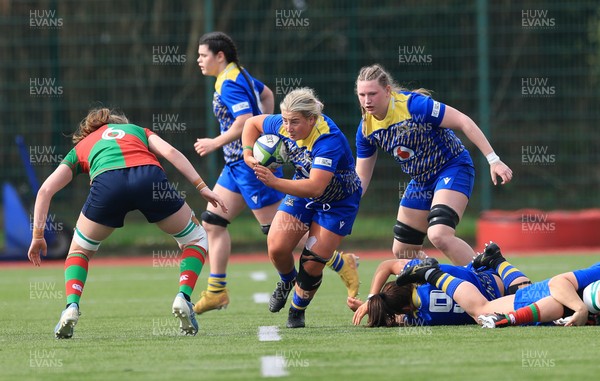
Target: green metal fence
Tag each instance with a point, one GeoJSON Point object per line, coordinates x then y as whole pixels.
{"type": "Point", "coordinates": [526, 72]}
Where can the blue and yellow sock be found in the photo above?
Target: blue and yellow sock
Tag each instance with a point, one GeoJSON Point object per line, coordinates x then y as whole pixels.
{"type": "Point", "coordinates": [443, 281]}
{"type": "Point", "coordinates": [508, 273]}
{"type": "Point", "coordinates": [298, 303]}
{"type": "Point", "coordinates": [336, 262]}
{"type": "Point", "coordinates": [289, 277]}
{"type": "Point", "coordinates": [216, 283]}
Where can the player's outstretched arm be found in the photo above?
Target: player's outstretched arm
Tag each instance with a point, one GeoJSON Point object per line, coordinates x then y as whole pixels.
{"type": "Point", "coordinates": [61, 176]}
{"type": "Point", "coordinates": [563, 288]}
{"type": "Point", "coordinates": [456, 120]}
{"type": "Point", "coordinates": [383, 272]}
{"type": "Point", "coordinates": [163, 149]}
{"type": "Point", "coordinates": [205, 146]}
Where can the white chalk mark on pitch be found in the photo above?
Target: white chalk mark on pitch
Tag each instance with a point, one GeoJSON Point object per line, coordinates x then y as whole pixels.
{"type": "Point", "coordinates": [268, 333]}
{"type": "Point", "coordinates": [273, 366]}
{"type": "Point", "coordinates": [261, 297]}
{"type": "Point", "coordinates": [258, 276]}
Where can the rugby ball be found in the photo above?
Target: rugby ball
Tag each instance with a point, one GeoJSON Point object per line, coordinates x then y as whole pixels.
{"type": "Point", "coordinates": [270, 151]}
{"type": "Point", "coordinates": [591, 297]}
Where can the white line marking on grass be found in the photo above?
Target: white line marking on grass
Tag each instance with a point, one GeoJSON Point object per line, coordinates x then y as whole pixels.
{"type": "Point", "coordinates": [258, 276]}
{"type": "Point", "coordinates": [273, 366]}
{"type": "Point", "coordinates": [261, 297]}
{"type": "Point", "coordinates": [268, 333]}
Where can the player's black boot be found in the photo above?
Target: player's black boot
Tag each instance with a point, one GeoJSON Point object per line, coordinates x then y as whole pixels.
{"type": "Point", "coordinates": [295, 318]}
{"type": "Point", "coordinates": [490, 258]}
{"type": "Point", "coordinates": [417, 273]}
{"type": "Point", "coordinates": [280, 295]}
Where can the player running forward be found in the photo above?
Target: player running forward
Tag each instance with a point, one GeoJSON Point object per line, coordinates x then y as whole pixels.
{"type": "Point", "coordinates": [121, 160]}
{"type": "Point", "coordinates": [237, 97]}
{"type": "Point", "coordinates": [321, 199]}
{"type": "Point", "coordinates": [541, 302]}
{"type": "Point", "coordinates": [417, 131]}
{"type": "Point", "coordinates": [424, 304]}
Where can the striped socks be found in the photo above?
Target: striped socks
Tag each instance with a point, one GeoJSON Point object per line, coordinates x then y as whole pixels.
{"type": "Point", "coordinates": [298, 303]}
{"type": "Point", "coordinates": [508, 273]}
{"type": "Point", "coordinates": [76, 270]}
{"type": "Point", "coordinates": [525, 315]}
{"type": "Point", "coordinates": [336, 262]}
{"type": "Point", "coordinates": [216, 283]}
{"type": "Point", "coordinates": [192, 261]}
{"type": "Point", "coordinates": [443, 281]}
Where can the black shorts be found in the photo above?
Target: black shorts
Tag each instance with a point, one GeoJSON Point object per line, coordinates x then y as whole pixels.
{"type": "Point", "coordinates": [117, 192]}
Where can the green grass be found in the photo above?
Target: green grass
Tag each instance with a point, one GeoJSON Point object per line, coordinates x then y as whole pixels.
{"type": "Point", "coordinates": [126, 332]}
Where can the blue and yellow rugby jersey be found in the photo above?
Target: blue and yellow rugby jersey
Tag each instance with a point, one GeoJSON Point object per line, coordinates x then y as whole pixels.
{"type": "Point", "coordinates": [325, 148]}
{"type": "Point", "coordinates": [411, 133]}
{"type": "Point", "coordinates": [234, 97]}
{"type": "Point", "coordinates": [434, 307]}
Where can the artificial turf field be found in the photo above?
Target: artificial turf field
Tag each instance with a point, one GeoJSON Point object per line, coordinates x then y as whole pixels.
{"type": "Point", "coordinates": [126, 332]}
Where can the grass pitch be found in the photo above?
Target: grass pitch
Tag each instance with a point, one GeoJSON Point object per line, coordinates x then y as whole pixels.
{"type": "Point", "coordinates": [126, 332]}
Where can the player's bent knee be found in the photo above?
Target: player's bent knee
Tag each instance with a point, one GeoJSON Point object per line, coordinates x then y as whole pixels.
{"type": "Point", "coordinates": [407, 234]}
{"type": "Point", "coordinates": [85, 242]}
{"type": "Point", "coordinates": [193, 234]}
{"type": "Point", "coordinates": [306, 281]}
{"type": "Point", "coordinates": [213, 219]}
{"type": "Point", "coordinates": [444, 215]}
{"type": "Point", "coordinates": [265, 228]}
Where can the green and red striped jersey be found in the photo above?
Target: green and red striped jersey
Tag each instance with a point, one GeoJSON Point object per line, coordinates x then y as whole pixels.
{"type": "Point", "coordinates": [113, 146]}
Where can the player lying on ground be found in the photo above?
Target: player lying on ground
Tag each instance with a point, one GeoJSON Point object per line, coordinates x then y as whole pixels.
{"type": "Point", "coordinates": [424, 304]}
{"type": "Point", "coordinates": [125, 175]}
{"type": "Point", "coordinates": [541, 302]}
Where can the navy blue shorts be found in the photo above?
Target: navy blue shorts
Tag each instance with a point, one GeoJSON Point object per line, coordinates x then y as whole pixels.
{"type": "Point", "coordinates": [117, 192]}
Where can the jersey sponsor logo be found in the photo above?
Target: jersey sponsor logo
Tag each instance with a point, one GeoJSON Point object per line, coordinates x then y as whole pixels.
{"type": "Point", "coordinates": [435, 112]}
{"type": "Point", "coordinates": [112, 134]}
{"type": "Point", "coordinates": [254, 199]}
{"type": "Point", "coordinates": [403, 153]}
{"type": "Point", "coordinates": [447, 180]}
{"type": "Point", "coordinates": [240, 106]}
{"type": "Point", "coordinates": [323, 161]}
{"type": "Point", "coordinates": [342, 223]}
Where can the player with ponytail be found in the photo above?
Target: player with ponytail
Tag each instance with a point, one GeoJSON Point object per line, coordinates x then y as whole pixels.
{"type": "Point", "coordinates": [121, 160]}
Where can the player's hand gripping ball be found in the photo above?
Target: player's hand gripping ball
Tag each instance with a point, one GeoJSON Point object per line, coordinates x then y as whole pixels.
{"type": "Point", "coordinates": [270, 151]}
